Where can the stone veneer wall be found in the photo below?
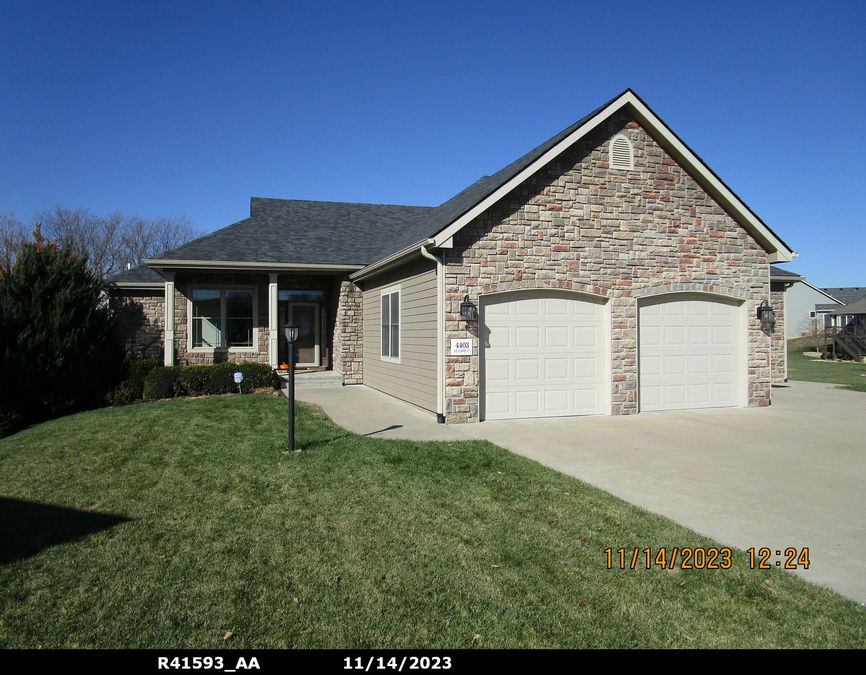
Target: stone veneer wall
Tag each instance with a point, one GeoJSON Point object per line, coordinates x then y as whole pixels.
{"type": "Point", "coordinates": [140, 316]}
{"type": "Point", "coordinates": [184, 282]}
{"type": "Point", "coordinates": [349, 334]}
{"type": "Point", "coordinates": [779, 344]}
{"type": "Point", "coordinates": [578, 225]}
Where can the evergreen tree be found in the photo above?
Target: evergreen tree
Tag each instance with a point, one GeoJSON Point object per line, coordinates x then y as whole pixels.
{"type": "Point", "coordinates": [59, 349]}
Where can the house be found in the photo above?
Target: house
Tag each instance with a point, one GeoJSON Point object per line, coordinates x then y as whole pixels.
{"type": "Point", "coordinates": [612, 272]}
{"type": "Point", "coordinates": [802, 300]}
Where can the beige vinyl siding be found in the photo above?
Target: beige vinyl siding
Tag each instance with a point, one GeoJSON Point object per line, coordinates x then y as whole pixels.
{"type": "Point", "coordinates": [413, 379]}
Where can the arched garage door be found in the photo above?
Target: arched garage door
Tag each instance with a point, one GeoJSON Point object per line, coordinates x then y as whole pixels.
{"type": "Point", "coordinates": [692, 352]}
{"type": "Point", "coordinates": [544, 355]}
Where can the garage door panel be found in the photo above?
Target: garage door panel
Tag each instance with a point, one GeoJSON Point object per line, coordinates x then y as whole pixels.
{"type": "Point", "coordinates": [675, 365]}
{"type": "Point", "coordinates": [699, 364]}
{"type": "Point", "coordinates": [723, 335]}
{"type": "Point", "coordinates": [724, 392]}
{"type": "Point", "coordinates": [555, 354]}
{"type": "Point", "coordinates": [556, 368]}
{"type": "Point", "coordinates": [556, 307]}
{"type": "Point", "coordinates": [586, 337]}
{"type": "Point", "coordinates": [527, 369]}
{"type": "Point", "coordinates": [528, 307]}
{"type": "Point", "coordinates": [528, 402]}
{"type": "Point", "coordinates": [556, 336]}
{"type": "Point", "coordinates": [527, 337]}
{"type": "Point", "coordinates": [699, 335]}
{"type": "Point", "coordinates": [585, 368]}
{"type": "Point", "coordinates": [556, 401]}
{"type": "Point", "coordinates": [499, 370]}
{"type": "Point", "coordinates": [723, 364]}
{"type": "Point", "coordinates": [675, 335]}
{"type": "Point", "coordinates": [699, 394]}
{"type": "Point", "coordinates": [689, 353]}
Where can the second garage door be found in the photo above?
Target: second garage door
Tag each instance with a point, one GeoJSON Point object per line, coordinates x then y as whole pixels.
{"type": "Point", "coordinates": [544, 355]}
{"type": "Point", "coordinates": [691, 353]}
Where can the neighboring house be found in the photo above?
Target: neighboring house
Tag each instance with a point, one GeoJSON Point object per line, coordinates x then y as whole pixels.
{"type": "Point", "coordinates": [802, 300]}
{"type": "Point", "coordinates": [846, 330]}
{"type": "Point", "coordinates": [612, 270]}
{"type": "Point", "coordinates": [832, 314]}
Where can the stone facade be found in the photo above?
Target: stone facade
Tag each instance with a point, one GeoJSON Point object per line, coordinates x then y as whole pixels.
{"type": "Point", "coordinates": [349, 334]}
{"type": "Point", "coordinates": [141, 321]}
{"type": "Point", "coordinates": [779, 344]}
{"type": "Point", "coordinates": [618, 234]}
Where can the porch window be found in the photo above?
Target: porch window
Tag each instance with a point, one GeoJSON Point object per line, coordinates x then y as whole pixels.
{"type": "Point", "coordinates": [221, 318]}
{"type": "Point", "coordinates": [391, 324]}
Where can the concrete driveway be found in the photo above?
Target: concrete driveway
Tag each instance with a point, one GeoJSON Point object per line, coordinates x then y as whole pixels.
{"type": "Point", "coordinates": [789, 476]}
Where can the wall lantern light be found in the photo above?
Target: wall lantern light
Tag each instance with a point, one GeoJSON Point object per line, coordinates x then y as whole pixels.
{"type": "Point", "coordinates": [468, 311]}
{"type": "Point", "coordinates": [767, 317]}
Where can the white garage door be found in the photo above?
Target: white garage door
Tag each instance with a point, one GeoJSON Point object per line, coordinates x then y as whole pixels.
{"type": "Point", "coordinates": [544, 355]}
{"type": "Point", "coordinates": [691, 353]}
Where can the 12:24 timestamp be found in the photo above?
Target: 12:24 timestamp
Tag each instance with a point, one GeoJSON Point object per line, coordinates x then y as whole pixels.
{"type": "Point", "coordinates": [794, 559]}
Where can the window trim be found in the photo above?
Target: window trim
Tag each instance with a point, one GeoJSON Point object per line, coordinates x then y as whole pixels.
{"type": "Point", "coordinates": [223, 319]}
{"type": "Point", "coordinates": [388, 293]}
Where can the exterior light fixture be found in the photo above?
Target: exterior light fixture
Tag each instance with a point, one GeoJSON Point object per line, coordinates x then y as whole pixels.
{"type": "Point", "coordinates": [767, 317]}
{"type": "Point", "coordinates": [291, 332]}
{"type": "Point", "coordinates": [468, 311]}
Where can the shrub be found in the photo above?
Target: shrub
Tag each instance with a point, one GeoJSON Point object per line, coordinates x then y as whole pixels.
{"type": "Point", "coordinates": [208, 380]}
{"type": "Point", "coordinates": [160, 383]}
{"type": "Point", "coordinates": [59, 349]}
{"type": "Point", "coordinates": [138, 371]}
{"type": "Point", "coordinates": [193, 380]}
{"type": "Point", "coordinates": [258, 376]}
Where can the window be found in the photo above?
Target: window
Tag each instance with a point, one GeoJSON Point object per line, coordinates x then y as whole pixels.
{"type": "Point", "coordinates": [391, 324]}
{"type": "Point", "coordinates": [222, 317]}
{"type": "Point", "coordinates": [621, 153]}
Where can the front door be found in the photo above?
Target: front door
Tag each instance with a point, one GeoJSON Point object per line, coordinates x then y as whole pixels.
{"type": "Point", "coordinates": [306, 316]}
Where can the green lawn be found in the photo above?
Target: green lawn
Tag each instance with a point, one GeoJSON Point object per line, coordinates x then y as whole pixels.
{"type": "Point", "coordinates": [175, 524]}
{"type": "Point", "coordinates": [809, 369]}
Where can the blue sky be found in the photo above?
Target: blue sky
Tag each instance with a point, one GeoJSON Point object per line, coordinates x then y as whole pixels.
{"type": "Point", "coordinates": [191, 108]}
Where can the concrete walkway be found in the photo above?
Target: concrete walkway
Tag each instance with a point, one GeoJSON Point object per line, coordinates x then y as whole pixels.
{"type": "Point", "coordinates": [789, 476]}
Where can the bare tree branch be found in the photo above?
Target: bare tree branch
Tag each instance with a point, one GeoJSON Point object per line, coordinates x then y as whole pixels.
{"type": "Point", "coordinates": [113, 242]}
{"type": "Point", "coordinates": [13, 237]}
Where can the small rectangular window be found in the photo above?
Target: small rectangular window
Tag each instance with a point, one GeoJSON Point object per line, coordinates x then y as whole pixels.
{"type": "Point", "coordinates": [391, 324]}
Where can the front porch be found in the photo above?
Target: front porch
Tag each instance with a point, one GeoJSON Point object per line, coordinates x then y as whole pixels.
{"type": "Point", "coordinates": [238, 316]}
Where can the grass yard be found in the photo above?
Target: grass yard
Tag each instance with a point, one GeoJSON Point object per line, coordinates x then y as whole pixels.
{"type": "Point", "coordinates": [809, 369]}
{"type": "Point", "coordinates": [186, 524]}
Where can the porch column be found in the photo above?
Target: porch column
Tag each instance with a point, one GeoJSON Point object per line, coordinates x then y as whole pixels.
{"type": "Point", "coordinates": [273, 316]}
{"type": "Point", "coordinates": [168, 355]}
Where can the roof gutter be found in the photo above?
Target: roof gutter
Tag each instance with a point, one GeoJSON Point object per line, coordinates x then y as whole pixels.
{"type": "Point", "coordinates": [136, 284]}
{"type": "Point", "coordinates": [164, 263]}
{"type": "Point", "coordinates": [394, 258]}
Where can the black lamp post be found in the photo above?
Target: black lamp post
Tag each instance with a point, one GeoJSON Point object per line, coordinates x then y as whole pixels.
{"type": "Point", "coordinates": [291, 332]}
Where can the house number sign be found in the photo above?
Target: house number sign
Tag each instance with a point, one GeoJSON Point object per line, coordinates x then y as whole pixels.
{"type": "Point", "coordinates": [461, 347]}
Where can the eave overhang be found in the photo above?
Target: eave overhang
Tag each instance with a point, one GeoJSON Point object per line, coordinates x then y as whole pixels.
{"type": "Point", "coordinates": [160, 265]}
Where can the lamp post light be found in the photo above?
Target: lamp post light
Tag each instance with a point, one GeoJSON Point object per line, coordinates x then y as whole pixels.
{"type": "Point", "coordinates": [291, 332]}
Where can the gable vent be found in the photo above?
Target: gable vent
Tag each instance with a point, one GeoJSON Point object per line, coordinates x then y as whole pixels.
{"type": "Point", "coordinates": [621, 153]}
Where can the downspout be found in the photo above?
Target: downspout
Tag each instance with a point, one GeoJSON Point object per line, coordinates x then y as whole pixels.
{"type": "Point", "coordinates": [440, 333]}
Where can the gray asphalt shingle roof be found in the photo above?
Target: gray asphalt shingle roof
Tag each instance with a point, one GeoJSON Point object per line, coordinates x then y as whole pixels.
{"type": "Point", "coordinates": [779, 272]}
{"type": "Point", "coordinates": [847, 295]}
{"type": "Point", "coordinates": [307, 232]}
{"type": "Point", "coordinates": [137, 275]}
{"type": "Point", "coordinates": [294, 231]}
